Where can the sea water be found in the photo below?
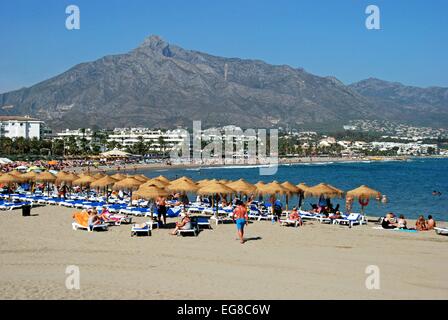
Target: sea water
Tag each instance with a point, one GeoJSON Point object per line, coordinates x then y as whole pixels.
{"type": "Point", "coordinates": [408, 185]}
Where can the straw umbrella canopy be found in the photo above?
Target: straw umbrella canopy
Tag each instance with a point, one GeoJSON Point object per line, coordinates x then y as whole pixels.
{"type": "Point", "coordinates": [67, 178]}
{"type": "Point", "coordinates": [46, 177]}
{"type": "Point", "coordinates": [150, 193]}
{"type": "Point", "coordinates": [143, 177]}
{"type": "Point", "coordinates": [85, 180]}
{"type": "Point", "coordinates": [323, 189]}
{"type": "Point", "coordinates": [127, 184]}
{"type": "Point", "coordinates": [155, 182]}
{"type": "Point", "coordinates": [183, 186]}
{"type": "Point", "coordinates": [29, 176]}
{"type": "Point", "coordinates": [303, 186]}
{"type": "Point", "coordinates": [292, 189]}
{"type": "Point", "coordinates": [139, 178]}
{"type": "Point", "coordinates": [162, 178]}
{"type": "Point", "coordinates": [337, 189]}
{"type": "Point", "coordinates": [99, 176]}
{"type": "Point", "coordinates": [272, 188]}
{"type": "Point", "coordinates": [213, 188]}
{"type": "Point", "coordinates": [242, 186]}
{"type": "Point", "coordinates": [8, 179]}
{"type": "Point", "coordinates": [202, 181]}
{"type": "Point", "coordinates": [364, 193]}
{"type": "Point", "coordinates": [119, 176]}
{"type": "Point", "coordinates": [103, 182]}
{"type": "Point", "coordinates": [184, 178]}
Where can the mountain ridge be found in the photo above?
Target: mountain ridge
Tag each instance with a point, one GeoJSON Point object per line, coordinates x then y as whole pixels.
{"type": "Point", "coordinates": [163, 85]}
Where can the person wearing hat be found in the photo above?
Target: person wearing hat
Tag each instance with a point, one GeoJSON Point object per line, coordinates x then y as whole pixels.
{"type": "Point", "coordinates": [184, 224]}
{"type": "Point", "coordinates": [241, 218]}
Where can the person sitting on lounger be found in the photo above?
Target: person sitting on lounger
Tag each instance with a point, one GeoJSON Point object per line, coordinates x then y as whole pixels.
{"type": "Point", "coordinates": [420, 224]}
{"type": "Point", "coordinates": [387, 222]}
{"type": "Point", "coordinates": [294, 215]}
{"type": "Point", "coordinates": [105, 214]}
{"type": "Point", "coordinates": [402, 223]}
{"type": "Point", "coordinates": [430, 223]}
{"type": "Point", "coordinates": [94, 219]}
{"type": "Point", "coordinates": [184, 224]}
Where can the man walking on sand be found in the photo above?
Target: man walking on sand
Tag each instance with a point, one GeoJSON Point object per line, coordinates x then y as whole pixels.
{"type": "Point", "coordinates": [241, 218]}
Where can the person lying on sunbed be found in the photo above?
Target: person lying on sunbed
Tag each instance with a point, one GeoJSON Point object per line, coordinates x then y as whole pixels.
{"type": "Point", "coordinates": [294, 215]}
{"type": "Point", "coordinates": [184, 224]}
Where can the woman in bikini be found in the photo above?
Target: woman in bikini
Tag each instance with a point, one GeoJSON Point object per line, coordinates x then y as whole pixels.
{"type": "Point", "coordinates": [240, 217]}
{"type": "Point", "coordinates": [185, 223]}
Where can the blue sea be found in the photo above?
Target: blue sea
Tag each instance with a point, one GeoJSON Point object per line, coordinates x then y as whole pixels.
{"type": "Point", "coordinates": [408, 185]}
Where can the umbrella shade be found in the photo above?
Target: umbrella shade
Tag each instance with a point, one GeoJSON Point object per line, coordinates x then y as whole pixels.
{"type": "Point", "coordinates": [292, 189]}
{"type": "Point", "coordinates": [155, 182]}
{"type": "Point", "coordinates": [29, 176]}
{"type": "Point", "coordinates": [215, 188]}
{"type": "Point", "coordinates": [103, 182]}
{"type": "Point", "coordinates": [119, 176]}
{"type": "Point", "coordinates": [337, 189]}
{"type": "Point", "coordinates": [322, 189]}
{"type": "Point", "coordinates": [184, 178]}
{"type": "Point", "coordinates": [45, 177]}
{"type": "Point", "coordinates": [15, 173]}
{"type": "Point", "coordinates": [143, 177]}
{"type": "Point", "coordinates": [127, 184]}
{"type": "Point", "coordinates": [163, 179]}
{"type": "Point", "coordinates": [149, 193]}
{"type": "Point", "coordinates": [259, 184]}
{"type": "Point", "coordinates": [99, 176]}
{"type": "Point", "coordinates": [242, 186]}
{"type": "Point", "coordinates": [303, 186]}
{"type": "Point", "coordinates": [84, 181]}
{"type": "Point", "coordinates": [61, 174]}
{"type": "Point", "coordinates": [363, 192]}
{"type": "Point", "coordinates": [182, 186]}
{"type": "Point", "coordinates": [272, 188]}
{"type": "Point", "coordinates": [68, 178]}
{"type": "Point", "coordinates": [8, 179]}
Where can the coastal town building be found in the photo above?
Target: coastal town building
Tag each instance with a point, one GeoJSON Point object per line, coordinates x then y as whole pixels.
{"type": "Point", "coordinates": [21, 127]}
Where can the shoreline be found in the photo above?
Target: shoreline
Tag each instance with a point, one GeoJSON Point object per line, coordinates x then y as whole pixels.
{"type": "Point", "coordinates": [282, 161]}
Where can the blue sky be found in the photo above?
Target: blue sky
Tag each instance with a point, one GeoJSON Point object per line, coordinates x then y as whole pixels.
{"type": "Point", "coordinates": [325, 37]}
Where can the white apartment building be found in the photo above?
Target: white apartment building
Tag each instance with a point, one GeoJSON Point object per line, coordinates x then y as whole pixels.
{"type": "Point", "coordinates": [77, 134]}
{"type": "Point", "coordinates": [21, 126]}
{"type": "Point", "coordinates": [128, 137]}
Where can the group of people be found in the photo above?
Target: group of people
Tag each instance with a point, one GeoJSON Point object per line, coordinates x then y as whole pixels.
{"type": "Point", "coordinates": [391, 222]}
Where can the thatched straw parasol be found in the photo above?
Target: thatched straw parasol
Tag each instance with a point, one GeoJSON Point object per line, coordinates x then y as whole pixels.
{"type": "Point", "coordinates": [162, 178]}
{"type": "Point", "coordinates": [67, 178]}
{"type": "Point", "coordinates": [127, 184]}
{"type": "Point", "coordinates": [143, 177]}
{"type": "Point", "coordinates": [29, 176]}
{"type": "Point", "coordinates": [99, 176]}
{"type": "Point", "coordinates": [242, 186]}
{"type": "Point", "coordinates": [103, 182]}
{"type": "Point", "coordinates": [323, 189]}
{"type": "Point", "coordinates": [155, 182]}
{"type": "Point", "coordinates": [184, 178]}
{"type": "Point", "coordinates": [337, 189]}
{"type": "Point", "coordinates": [213, 188]}
{"type": "Point", "coordinates": [272, 188]}
{"type": "Point", "coordinates": [150, 193]}
{"type": "Point", "coordinates": [85, 180]}
{"type": "Point", "coordinates": [9, 179]}
{"type": "Point", "coordinates": [303, 186]}
{"type": "Point", "coordinates": [119, 176]}
{"type": "Point", "coordinates": [292, 189]}
{"type": "Point", "coordinates": [364, 193]}
{"type": "Point", "coordinates": [183, 186]}
{"type": "Point", "coordinates": [45, 177]}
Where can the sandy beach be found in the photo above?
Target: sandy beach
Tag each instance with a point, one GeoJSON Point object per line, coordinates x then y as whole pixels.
{"type": "Point", "coordinates": [312, 262]}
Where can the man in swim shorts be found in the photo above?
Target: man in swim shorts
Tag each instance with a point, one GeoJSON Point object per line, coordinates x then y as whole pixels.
{"type": "Point", "coordinates": [240, 217]}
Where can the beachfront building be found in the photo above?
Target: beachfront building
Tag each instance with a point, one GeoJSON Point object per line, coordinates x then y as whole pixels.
{"type": "Point", "coordinates": [21, 127]}
{"type": "Point", "coordinates": [76, 134]}
{"type": "Point", "coordinates": [160, 140]}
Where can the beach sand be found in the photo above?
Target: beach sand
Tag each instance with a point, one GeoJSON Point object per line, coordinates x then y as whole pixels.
{"type": "Point", "coordinates": [312, 262]}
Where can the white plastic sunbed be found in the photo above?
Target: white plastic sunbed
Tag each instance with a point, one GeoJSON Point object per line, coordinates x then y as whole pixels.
{"type": "Point", "coordinates": [441, 231]}
{"type": "Point", "coordinates": [135, 230]}
{"type": "Point", "coordinates": [351, 220]}
{"type": "Point", "coordinates": [97, 227]}
{"type": "Point", "coordinates": [288, 222]}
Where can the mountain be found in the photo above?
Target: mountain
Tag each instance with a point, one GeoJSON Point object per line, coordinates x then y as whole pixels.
{"type": "Point", "coordinates": [422, 106]}
{"type": "Point", "coordinates": [162, 85]}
